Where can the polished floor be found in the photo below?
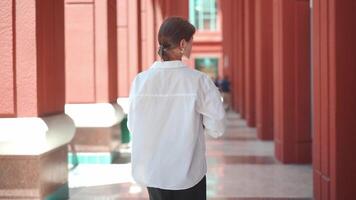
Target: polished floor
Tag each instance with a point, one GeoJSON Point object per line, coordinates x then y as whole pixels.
{"type": "Point", "coordinates": [240, 167]}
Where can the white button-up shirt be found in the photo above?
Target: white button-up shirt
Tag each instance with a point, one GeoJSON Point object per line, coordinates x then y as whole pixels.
{"type": "Point", "coordinates": [171, 106]}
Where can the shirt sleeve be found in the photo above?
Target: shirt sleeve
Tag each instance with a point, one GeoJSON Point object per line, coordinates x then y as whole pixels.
{"type": "Point", "coordinates": [210, 106]}
{"type": "Point", "coordinates": [131, 105]}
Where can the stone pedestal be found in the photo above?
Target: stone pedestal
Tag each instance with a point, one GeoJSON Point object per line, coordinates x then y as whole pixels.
{"type": "Point", "coordinates": [33, 157]}
{"type": "Point", "coordinates": [34, 131]}
{"type": "Point", "coordinates": [98, 132]}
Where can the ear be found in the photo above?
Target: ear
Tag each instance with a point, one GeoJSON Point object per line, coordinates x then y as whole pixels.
{"type": "Point", "coordinates": [183, 44]}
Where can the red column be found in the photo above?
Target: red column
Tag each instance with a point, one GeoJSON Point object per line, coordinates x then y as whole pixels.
{"type": "Point", "coordinates": [236, 56]}
{"type": "Point", "coordinates": [292, 114]}
{"type": "Point", "coordinates": [334, 74]}
{"type": "Point", "coordinates": [91, 78]}
{"type": "Point", "coordinates": [158, 19]}
{"type": "Point", "coordinates": [264, 69]}
{"type": "Point", "coordinates": [250, 90]}
{"type": "Point", "coordinates": [129, 43]}
{"type": "Point", "coordinates": [91, 60]}
{"type": "Point", "coordinates": [226, 34]}
{"type": "Point", "coordinates": [148, 34]}
{"type": "Point", "coordinates": [8, 100]}
{"type": "Point", "coordinates": [228, 44]}
{"type": "Point", "coordinates": [34, 132]}
{"type": "Point", "coordinates": [32, 98]}
{"type": "Point", "coordinates": [240, 15]}
{"type": "Point", "coordinates": [176, 8]}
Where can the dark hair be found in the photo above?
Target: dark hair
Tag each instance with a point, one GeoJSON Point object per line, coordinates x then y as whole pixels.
{"type": "Point", "coordinates": [171, 32]}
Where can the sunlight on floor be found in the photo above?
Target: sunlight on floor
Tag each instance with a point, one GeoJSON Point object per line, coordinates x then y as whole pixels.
{"type": "Point", "coordinates": [85, 175]}
{"type": "Point", "coordinates": [239, 166]}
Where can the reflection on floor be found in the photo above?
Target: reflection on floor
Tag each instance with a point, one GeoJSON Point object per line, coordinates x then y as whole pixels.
{"type": "Point", "coordinates": [240, 167]}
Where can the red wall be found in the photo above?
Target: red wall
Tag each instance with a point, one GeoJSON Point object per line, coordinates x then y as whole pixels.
{"type": "Point", "coordinates": [334, 73]}
{"type": "Point", "coordinates": [292, 100]}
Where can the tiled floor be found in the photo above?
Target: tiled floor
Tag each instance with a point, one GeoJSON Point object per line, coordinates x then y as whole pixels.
{"type": "Point", "coordinates": [240, 167]}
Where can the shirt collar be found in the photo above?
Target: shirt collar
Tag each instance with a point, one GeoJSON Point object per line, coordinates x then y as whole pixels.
{"type": "Point", "coordinates": [169, 64]}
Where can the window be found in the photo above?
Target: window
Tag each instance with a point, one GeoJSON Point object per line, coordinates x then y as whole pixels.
{"type": "Point", "coordinates": [203, 14]}
{"type": "Point", "coordinates": [208, 65]}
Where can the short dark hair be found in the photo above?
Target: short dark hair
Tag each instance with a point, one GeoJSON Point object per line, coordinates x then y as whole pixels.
{"type": "Point", "coordinates": [171, 32]}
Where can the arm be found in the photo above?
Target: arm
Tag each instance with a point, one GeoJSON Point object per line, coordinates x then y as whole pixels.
{"type": "Point", "coordinates": [210, 106]}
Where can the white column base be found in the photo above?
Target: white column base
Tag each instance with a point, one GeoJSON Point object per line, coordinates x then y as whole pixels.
{"type": "Point", "coordinates": [98, 131]}
{"type": "Point", "coordinates": [34, 135]}
{"type": "Point", "coordinates": [124, 103]}
{"type": "Point", "coordinates": [95, 115]}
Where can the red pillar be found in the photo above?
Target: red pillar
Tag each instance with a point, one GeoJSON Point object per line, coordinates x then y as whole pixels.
{"type": "Point", "coordinates": [177, 8]}
{"type": "Point", "coordinates": [148, 34]}
{"type": "Point", "coordinates": [129, 43]}
{"type": "Point", "coordinates": [91, 52]}
{"type": "Point", "coordinates": [250, 90]}
{"type": "Point", "coordinates": [292, 114]}
{"type": "Point", "coordinates": [334, 119]}
{"type": "Point", "coordinates": [237, 55]}
{"type": "Point", "coordinates": [240, 14]}
{"type": "Point", "coordinates": [34, 131]}
{"type": "Point", "coordinates": [227, 35]}
{"type": "Point", "coordinates": [158, 19]}
{"type": "Point", "coordinates": [229, 48]}
{"type": "Point", "coordinates": [91, 78]}
{"type": "Point", "coordinates": [264, 69]}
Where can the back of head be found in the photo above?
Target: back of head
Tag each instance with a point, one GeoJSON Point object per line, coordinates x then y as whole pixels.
{"type": "Point", "coordinates": [172, 31]}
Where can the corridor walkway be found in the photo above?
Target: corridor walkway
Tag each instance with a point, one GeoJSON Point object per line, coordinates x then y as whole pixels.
{"type": "Point", "coordinates": [240, 167]}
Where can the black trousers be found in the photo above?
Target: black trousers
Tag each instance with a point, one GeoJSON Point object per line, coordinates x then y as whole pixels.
{"type": "Point", "coordinates": [197, 192]}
